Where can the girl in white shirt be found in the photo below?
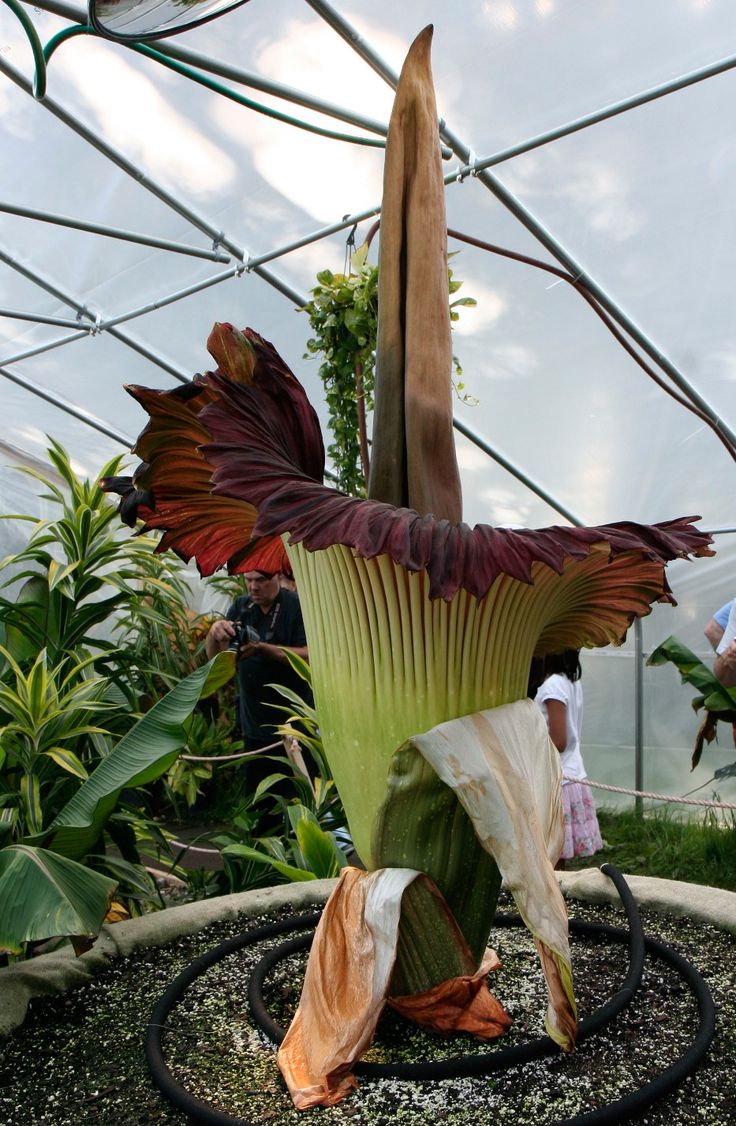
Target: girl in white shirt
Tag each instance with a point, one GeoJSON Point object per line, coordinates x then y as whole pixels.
{"type": "Point", "coordinates": [560, 697]}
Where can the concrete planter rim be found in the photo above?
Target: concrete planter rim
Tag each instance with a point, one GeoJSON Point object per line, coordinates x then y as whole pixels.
{"type": "Point", "coordinates": [60, 971]}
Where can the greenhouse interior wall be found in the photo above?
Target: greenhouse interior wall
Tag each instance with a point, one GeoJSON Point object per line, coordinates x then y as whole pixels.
{"type": "Point", "coordinates": [137, 208]}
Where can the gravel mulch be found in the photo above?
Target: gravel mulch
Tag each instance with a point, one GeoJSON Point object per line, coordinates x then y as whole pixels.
{"type": "Point", "coordinates": [78, 1060]}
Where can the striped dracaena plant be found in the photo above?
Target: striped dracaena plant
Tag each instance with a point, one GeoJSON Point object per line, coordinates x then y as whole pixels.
{"type": "Point", "coordinates": [421, 631]}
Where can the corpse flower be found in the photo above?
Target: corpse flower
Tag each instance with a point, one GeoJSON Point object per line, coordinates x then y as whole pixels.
{"type": "Point", "coordinates": [421, 631]}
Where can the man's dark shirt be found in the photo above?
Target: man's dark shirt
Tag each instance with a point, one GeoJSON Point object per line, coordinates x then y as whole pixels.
{"type": "Point", "coordinates": [282, 625]}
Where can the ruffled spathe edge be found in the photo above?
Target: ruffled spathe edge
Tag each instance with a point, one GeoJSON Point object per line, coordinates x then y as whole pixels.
{"type": "Point", "coordinates": [226, 462]}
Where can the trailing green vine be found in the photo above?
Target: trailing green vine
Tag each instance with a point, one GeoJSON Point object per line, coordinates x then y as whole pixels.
{"type": "Point", "coordinates": [343, 316]}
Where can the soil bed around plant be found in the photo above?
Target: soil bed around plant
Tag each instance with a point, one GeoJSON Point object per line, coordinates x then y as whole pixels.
{"type": "Point", "coordinates": [78, 1059]}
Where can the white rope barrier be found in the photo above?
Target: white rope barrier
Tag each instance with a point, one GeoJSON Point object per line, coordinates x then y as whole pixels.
{"type": "Point", "coordinates": [655, 797]}
{"type": "Point", "coordinates": [232, 758]}
{"type": "Point", "coordinates": [585, 782]}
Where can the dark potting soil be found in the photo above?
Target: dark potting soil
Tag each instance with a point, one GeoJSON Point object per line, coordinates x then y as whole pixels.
{"type": "Point", "coordinates": [79, 1061]}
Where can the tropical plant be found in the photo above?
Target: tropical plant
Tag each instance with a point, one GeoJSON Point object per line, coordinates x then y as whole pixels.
{"type": "Point", "coordinates": [49, 714]}
{"type": "Point", "coordinates": [102, 608]}
{"type": "Point", "coordinates": [314, 840]}
{"type": "Point", "coordinates": [70, 704]}
{"type": "Point", "coordinates": [301, 728]}
{"type": "Point", "coordinates": [421, 632]}
{"type": "Point", "coordinates": [161, 639]}
{"type": "Point", "coordinates": [240, 871]}
{"type": "Point", "coordinates": [717, 702]}
{"type": "Point", "coordinates": [251, 858]}
{"type": "Point", "coordinates": [312, 854]}
{"type": "Point", "coordinates": [45, 888]}
{"type": "Point", "coordinates": [185, 780]}
{"type": "Point", "coordinates": [343, 317]}
{"type": "Point", "coordinates": [77, 571]}
{"type": "Point", "coordinates": [44, 895]}
{"type": "Point", "coordinates": [208, 737]}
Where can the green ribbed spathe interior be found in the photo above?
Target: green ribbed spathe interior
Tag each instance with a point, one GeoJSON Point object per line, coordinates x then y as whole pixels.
{"type": "Point", "coordinates": [388, 662]}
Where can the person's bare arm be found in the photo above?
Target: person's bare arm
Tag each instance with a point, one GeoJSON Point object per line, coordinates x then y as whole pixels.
{"type": "Point", "coordinates": [724, 666]}
{"type": "Point", "coordinates": [275, 652]}
{"type": "Point", "coordinates": [713, 632]}
{"type": "Point", "coordinates": [219, 637]}
{"type": "Point", "coordinates": [557, 723]}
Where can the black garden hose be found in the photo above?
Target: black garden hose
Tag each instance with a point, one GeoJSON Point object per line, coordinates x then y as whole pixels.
{"type": "Point", "coordinates": [624, 1109]}
{"type": "Point", "coordinates": [162, 1077]}
{"type": "Point", "coordinates": [620, 1111]}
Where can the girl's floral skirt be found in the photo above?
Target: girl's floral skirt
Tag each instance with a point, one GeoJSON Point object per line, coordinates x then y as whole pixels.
{"type": "Point", "coordinates": [582, 835]}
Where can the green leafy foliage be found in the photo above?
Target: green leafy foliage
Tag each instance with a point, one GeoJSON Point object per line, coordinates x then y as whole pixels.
{"type": "Point", "coordinates": [76, 753]}
{"type": "Point", "coordinates": [160, 638]}
{"type": "Point", "coordinates": [319, 793]}
{"type": "Point", "coordinates": [44, 895]}
{"type": "Point", "coordinates": [48, 717]}
{"type": "Point", "coordinates": [314, 854]}
{"type": "Point", "coordinates": [141, 756]}
{"type": "Point", "coordinates": [46, 889]}
{"type": "Point", "coordinates": [314, 840]}
{"type": "Point", "coordinates": [718, 702]}
{"type": "Point", "coordinates": [343, 317]}
{"type": "Point", "coordinates": [714, 695]}
{"type": "Point", "coordinates": [77, 569]}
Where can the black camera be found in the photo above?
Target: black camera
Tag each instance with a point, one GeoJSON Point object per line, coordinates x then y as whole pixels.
{"type": "Point", "coordinates": [243, 634]}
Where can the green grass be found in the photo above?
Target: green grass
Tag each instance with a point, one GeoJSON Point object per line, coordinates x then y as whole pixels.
{"type": "Point", "coordinates": [660, 844]}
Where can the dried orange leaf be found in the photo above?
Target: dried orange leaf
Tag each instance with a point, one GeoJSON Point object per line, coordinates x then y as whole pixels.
{"type": "Point", "coordinates": [462, 1004]}
{"type": "Point", "coordinates": [345, 985]}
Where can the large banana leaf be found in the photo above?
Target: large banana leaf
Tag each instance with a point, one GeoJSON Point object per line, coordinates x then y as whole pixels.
{"type": "Point", "coordinates": [43, 895]}
{"type": "Point", "coordinates": [715, 697]}
{"type": "Point", "coordinates": [719, 702]}
{"type": "Point", "coordinates": [144, 754]}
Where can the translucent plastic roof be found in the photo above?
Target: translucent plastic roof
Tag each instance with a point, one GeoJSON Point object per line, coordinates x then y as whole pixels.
{"type": "Point", "coordinates": [639, 202]}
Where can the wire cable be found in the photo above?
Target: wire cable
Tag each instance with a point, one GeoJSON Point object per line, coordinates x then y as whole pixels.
{"type": "Point", "coordinates": [211, 84]}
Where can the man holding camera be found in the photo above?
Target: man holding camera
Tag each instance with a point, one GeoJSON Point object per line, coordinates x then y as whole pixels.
{"type": "Point", "coordinates": [259, 626]}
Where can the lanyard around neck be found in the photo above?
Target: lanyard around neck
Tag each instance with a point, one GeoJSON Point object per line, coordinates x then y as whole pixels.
{"type": "Point", "coordinates": [273, 615]}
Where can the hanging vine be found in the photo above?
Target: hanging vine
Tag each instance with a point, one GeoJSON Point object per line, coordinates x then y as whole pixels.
{"type": "Point", "coordinates": [343, 316]}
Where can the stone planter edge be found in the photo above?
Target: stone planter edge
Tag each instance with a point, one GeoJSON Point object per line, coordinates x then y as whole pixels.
{"type": "Point", "coordinates": [672, 897]}
{"type": "Point", "coordinates": [61, 970]}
